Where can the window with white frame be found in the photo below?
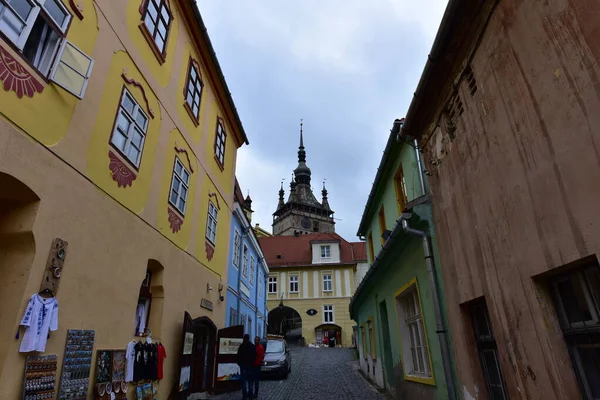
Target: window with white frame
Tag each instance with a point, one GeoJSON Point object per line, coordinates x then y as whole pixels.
{"type": "Point", "coordinates": [245, 264]}
{"type": "Point", "coordinates": [237, 241]}
{"type": "Point", "coordinates": [327, 283]}
{"type": "Point", "coordinates": [220, 139]}
{"type": "Point", "coordinates": [328, 314]}
{"type": "Point", "coordinates": [243, 321]}
{"type": "Point", "coordinates": [294, 284]}
{"type": "Point", "coordinates": [261, 284]}
{"type": "Point", "coordinates": [129, 133]}
{"type": "Point", "coordinates": [211, 223]}
{"type": "Point", "coordinates": [157, 19]}
{"type": "Point", "coordinates": [272, 285]}
{"type": "Point", "coordinates": [326, 251]}
{"type": "Point", "coordinates": [179, 186]}
{"type": "Point", "coordinates": [412, 331]}
{"type": "Point", "coordinates": [38, 29]}
{"type": "Point", "coordinates": [252, 270]}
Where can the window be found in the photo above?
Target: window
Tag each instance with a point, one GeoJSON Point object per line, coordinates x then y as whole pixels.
{"type": "Point", "coordinates": [233, 317]}
{"type": "Point", "coordinates": [245, 265]}
{"type": "Point", "coordinates": [488, 351]}
{"type": "Point", "coordinates": [370, 246]}
{"type": "Point", "coordinates": [326, 251]}
{"type": "Point", "coordinates": [179, 186]}
{"type": "Point", "coordinates": [38, 29]}
{"type": "Point", "coordinates": [400, 185]}
{"type": "Point", "coordinates": [576, 297]}
{"type": "Point", "coordinates": [129, 132]}
{"type": "Point", "coordinates": [250, 325]}
{"type": "Point", "coordinates": [211, 223]}
{"type": "Point", "coordinates": [243, 321]}
{"type": "Point", "coordinates": [252, 270]}
{"type": "Point", "coordinates": [272, 285]}
{"type": "Point", "coordinates": [261, 283]}
{"type": "Point", "coordinates": [237, 241]}
{"type": "Point", "coordinates": [327, 286]}
{"type": "Point", "coordinates": [328, 314]}
{"type": "Point", "coordinates": [363, 336]}
{"type": "Point", "coordinates": [294, 284]}
{"type": "Point", "coordinates": [412, 332]}
{"type": "Point", "coordinates": [157, 21]}
{"type": "Point", "coordinates": [142, 311]}
{"type": "Point", "coordinates": [193, 92]}
{"type": "Point", "coordinates": [372, 347]}
{"type": "Point", "coordinates": [220, 143]}
{"type": "Point", "coordinates": [381, 219]}
{"type": "Point", "coordinates": [315, 226]}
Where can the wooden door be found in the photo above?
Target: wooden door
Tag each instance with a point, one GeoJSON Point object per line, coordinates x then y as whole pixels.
{"type": "Point", "coordinates": [186, 357]}
{"type": "Point", "coordinates": [227, 372]}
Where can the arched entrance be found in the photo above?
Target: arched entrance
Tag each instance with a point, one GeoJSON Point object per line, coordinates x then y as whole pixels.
{"type": "Point", "coordinates": [285, 321]}
{"type": "Point", "coordinates": [18, 209]}
{"type": "Point", "coordinates": [329, 334]}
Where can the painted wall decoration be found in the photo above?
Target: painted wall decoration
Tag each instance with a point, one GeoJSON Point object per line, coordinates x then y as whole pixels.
{"type": "Point", "coordinates": [40, 377]}
{"type": "Point", "coordinates": [228, 372]}
{"type": "Point", "coordinates": [16, 78]}
{"type": "Point", "coordinates": [122, 173]}
{"type": "Point", "coordinates": [77, 362]}
{"type": "Point", "coordinates": [175, 221]}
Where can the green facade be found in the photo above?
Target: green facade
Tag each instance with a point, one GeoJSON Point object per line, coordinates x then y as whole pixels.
{"type": "Point", "coordinates": [402, 263]}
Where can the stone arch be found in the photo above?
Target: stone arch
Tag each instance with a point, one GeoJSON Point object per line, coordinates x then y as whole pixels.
{"type": "Point", "coordinates": [18, 210]}
{"type": "Point", "coordinates": [286, 321]}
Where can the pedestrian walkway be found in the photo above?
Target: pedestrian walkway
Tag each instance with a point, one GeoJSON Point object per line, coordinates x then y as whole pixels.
{"type": "Point", "coordinates": [328, 373]}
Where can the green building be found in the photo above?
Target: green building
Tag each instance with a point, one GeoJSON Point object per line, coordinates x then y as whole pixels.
{"type": "Point", "coordinates": [401, 319]}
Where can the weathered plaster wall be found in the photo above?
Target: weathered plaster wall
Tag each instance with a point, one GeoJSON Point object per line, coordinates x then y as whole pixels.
{"type": "Point", "coordinates": [516, 192]}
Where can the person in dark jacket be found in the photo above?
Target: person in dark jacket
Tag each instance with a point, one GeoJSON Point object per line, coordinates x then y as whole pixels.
{"type": "Point", "coordinates": [246, 356]}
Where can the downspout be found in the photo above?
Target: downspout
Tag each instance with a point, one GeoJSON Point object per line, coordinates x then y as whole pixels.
{"type": "Point", "coordinates": [437, 305]}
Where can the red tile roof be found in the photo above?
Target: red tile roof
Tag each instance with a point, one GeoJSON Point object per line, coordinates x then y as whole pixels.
{"type": "Point", "coordinates": [281, 251]}
{"type": "Point", "coordinates": [360, 251]}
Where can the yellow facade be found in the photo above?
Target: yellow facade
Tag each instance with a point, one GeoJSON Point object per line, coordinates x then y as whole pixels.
{"type": "Point", "coordinates": [311, 295]}
{"type": "Point", "coordinates": [57, 180]}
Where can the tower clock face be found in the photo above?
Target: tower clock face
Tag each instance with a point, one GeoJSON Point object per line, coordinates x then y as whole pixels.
{"type": "Point", "coordinates": [305, 223]}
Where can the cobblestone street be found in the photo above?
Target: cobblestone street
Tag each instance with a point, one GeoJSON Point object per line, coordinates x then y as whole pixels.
{"type": "Point", "coordinates": [317, 374]}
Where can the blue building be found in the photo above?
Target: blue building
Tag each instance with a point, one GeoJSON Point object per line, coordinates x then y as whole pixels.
{"type": "Point", "coordinates": [247, 272]}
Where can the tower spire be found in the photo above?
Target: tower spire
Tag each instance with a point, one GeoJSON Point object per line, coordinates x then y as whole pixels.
{"type": "Point", "coordinates": [301, 152]}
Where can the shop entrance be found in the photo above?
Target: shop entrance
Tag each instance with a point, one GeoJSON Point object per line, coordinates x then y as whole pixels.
{"type": "Point", "coordinates": [197, 356]}
{"type": "Point", "coordinates": [329, 335]}
{"type": "Point", "coordinates": [287, 322]}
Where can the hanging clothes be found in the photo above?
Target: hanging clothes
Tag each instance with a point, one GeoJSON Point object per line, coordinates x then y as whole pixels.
{"type": "Point", "coordinates": [140, 363]}
{"type": "Point", "coordinates": [41, 316]}
{"type": "Point", "coordinates": [130, 357]}
{"type": "Point", "coordinates": [140, 319]}
{"type": "Point", "coordinates": [162, 354]}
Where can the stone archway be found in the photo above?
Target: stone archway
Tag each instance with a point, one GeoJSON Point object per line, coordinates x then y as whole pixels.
{"type": "Point", "coordinates": [286, 321]}
{"type": "Point", "coordinates": [332, 332]}
{"type": "Point", "coordinates": [18, 210]}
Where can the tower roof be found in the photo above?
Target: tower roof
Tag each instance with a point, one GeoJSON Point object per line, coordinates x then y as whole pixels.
{"type": "Point", "coordinates": [302, 172]}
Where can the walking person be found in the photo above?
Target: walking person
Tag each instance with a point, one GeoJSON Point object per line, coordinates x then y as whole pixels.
{"type": "Point", "coordinates": [246, 356]}
{"type": "Point", "coordinates": [260, 356]}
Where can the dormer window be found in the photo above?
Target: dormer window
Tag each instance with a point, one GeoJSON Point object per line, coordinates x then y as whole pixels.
{"type": "Point", "coordinates": [326, 251]}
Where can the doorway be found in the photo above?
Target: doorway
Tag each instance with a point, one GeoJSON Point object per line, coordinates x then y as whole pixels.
{"type": "Point", "coordinates": [387, 348]}
{"type": "Point", "coordinates": [287, 322]}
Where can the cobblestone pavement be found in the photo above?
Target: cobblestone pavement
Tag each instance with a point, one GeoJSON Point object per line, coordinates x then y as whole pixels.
{"type": "Point", "coordinates": [329, 373]}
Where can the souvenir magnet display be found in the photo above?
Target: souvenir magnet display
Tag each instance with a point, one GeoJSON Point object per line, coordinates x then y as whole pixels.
{"type": "Point", "coordinates": [40, 377]}
{"type": "Point", "coordinates": [77, 362]}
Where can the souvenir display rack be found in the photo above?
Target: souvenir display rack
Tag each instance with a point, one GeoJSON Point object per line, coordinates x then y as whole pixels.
{"type": "Point", "coordinates": [77, 362]}
{"type": "Point", "coordinates": [40, 377]}
{"type": "Point", "coordinates": [110, 374]}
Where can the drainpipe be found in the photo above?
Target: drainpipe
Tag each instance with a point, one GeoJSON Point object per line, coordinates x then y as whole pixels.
{"type": "Point", "coordinates": [437, 306]}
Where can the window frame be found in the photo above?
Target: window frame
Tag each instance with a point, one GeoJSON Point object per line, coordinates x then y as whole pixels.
{"type": "Point", "coordinates": [325, 313]}
{"type": "Point", "coordinates": [220, 143]}
{"type": "Point", "coordinates": [132, 119]}
{"type": "Point", "coordinates": [233, 317]}
{"type": "Point", "coordinates": [195, 66]}
{"type": "Point", "coordinates": [272, 280]}
{"type": "Point", "coordinates": [182, 184]}
{"type": "Point", "coordinates": [260, 285]}
{"type": "Point", "coordinates": [327, 248]}
{"type": "Point", "coordinates": [330, 280]}
{"type": "Point", "coordinates": [372, 339]}
{"type": "Point", "coordinates": [400, 189]}
{"type": "Point", "coordinates": [161, 55]}
{"type": "Point", "coordinates": [214, 218]}
{"type": "Point", "coordinates": [296, 281]}
{"type": "Point", "coordinates": [245, 259]}
{"type": "Point", "coordinates": [371, 247]}
{"type": "Point", "coordinates": [363, 332]}
{"type": "Point", "coordinates": [252, 268]}
{"type": "Point", "coordinates": [237, 241]}
{"type": "Point", "coordinates": [381, 222]}
{"type": "Point", "coordinates": [59, 60]}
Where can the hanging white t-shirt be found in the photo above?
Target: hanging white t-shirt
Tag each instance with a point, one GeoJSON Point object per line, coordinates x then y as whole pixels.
{"type": "Point", "coordinates": [140, 317]}
{"type": "Point", "coordinates": [130, 356]}
{"type": "Point", "coordinates": [40, 317]}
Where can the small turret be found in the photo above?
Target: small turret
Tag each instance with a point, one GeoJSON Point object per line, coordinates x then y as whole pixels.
{"type": "Point", "coordinates": [325, 202]}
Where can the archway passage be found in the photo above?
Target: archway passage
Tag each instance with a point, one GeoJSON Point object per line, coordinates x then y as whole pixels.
{"type": "Point", "coordinates": [287, 322]}
{"type": "Point", "coordinates": [329, 334]}
{"type": "Point", "coordinates": [18, 209]}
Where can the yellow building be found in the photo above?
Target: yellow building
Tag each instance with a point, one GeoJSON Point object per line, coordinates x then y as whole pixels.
{"type": "Point", "coordinates": [311, 281]}
{"type": "Point", "coordinates": [118, 141]}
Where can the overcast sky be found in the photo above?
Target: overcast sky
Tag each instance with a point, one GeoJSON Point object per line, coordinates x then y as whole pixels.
{"type": "Point", "coordinates": [347, 67]}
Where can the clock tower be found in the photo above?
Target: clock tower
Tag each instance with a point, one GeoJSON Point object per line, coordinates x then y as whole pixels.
{"type": "Point", "coordinates": [302, 213]}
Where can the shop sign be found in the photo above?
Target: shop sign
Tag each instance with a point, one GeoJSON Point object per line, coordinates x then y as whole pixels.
{"type": "Point", "coordinates": [245, 289]}
{"type": "Point", "coordinates": [188, 343]}
{"type": "Point", "coordinates": [311, 312]}
{"type": "Point", "coordinates": [229, 345]}
{"type": "Point", "coordinates": [205, 303]}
